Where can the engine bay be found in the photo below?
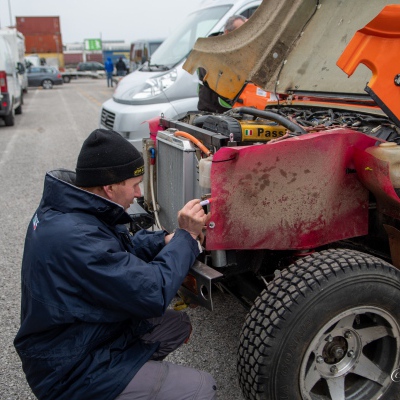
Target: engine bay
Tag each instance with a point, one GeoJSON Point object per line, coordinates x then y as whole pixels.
{"type": "Point", "coordinates": [246, 126]}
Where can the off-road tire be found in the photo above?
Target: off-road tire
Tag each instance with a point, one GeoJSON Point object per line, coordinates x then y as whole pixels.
{"type": "Point", "coordinates": [292, 320]}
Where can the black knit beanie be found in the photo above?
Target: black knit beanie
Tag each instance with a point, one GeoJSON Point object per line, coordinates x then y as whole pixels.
{"type": "Point", "coordinates": [106, 158]}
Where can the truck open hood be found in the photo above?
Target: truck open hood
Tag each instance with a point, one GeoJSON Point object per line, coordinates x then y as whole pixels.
{"type": "Point", "coordinates": [290, 45]}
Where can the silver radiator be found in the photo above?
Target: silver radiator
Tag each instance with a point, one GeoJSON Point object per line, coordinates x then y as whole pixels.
{"type": "Point", "coordinates": [177, 176]}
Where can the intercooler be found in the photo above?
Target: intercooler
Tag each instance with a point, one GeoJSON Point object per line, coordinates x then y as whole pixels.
{"type": "Point", "coordinates": [177, 176]}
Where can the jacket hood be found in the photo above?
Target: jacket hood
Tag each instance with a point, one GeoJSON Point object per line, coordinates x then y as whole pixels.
{"type": "Point", "coordinates": [60, 193]}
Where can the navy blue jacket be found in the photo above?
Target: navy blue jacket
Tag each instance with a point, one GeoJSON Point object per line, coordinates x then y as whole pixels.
{"type": "Point", "coordinates": [87, 289]}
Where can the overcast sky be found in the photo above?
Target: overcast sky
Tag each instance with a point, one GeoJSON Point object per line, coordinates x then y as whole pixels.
{"type": "Point", "coordinates": [126, 20]}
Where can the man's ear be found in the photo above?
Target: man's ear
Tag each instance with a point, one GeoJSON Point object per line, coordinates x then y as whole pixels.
{"type": "Point", "coordinates": [109, 191]}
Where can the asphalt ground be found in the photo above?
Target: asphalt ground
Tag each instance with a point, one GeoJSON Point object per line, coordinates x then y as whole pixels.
{"type": "Point", "coordinates": [48, 135]}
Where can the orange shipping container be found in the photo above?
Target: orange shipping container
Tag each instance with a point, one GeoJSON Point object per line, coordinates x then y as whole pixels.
{"type": "Point", "coordinates": [43, 43]}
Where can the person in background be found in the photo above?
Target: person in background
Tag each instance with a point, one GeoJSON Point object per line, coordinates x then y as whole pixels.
{"type": "Point", "coordinates": [95, 322]}
{"type": "Point", "coordinates": [109, 67]}
{"type": "Point", "coordinates": [209, 100]}
{"type": "Point", "coordinates": [121, 67]}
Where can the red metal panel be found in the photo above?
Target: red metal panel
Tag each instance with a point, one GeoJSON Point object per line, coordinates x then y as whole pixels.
{"type": "Point", "coordinates": [38, 25]}
{"type": "Point", "coordinates": [295, 193]}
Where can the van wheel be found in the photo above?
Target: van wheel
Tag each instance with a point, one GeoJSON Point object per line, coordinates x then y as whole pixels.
{"type": "Point", "coordinates": [327, 328]}
{"type": "Point", "coordinates": [47, 84]}
{"type": "Point", "coordinates": [18, 110]}
{"type": "Point", "coordinates": [9, 119]}
{"type": "Point", "coordinates": [66, 79]}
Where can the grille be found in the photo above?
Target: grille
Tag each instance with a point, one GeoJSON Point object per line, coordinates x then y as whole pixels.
{"type": "Point", "coordinates": [107, 118]}
{"type": "Point", "coordinates": [177, 177]}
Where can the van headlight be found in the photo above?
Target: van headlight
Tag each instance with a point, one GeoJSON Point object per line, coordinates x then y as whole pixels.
{"type": "Point", "coordinates": [157, 85]}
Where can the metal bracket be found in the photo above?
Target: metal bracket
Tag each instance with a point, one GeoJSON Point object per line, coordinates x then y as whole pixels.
{"type": "Point", "coordinates": [200, 294]}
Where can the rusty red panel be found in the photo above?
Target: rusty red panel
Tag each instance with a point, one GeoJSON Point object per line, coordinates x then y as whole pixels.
{"type": "Point", "coordinates": [43, 44]}
{"type": "Point", "coordinates": [38, 25]}
{"type": "Point", "coordinates": [296, 193]}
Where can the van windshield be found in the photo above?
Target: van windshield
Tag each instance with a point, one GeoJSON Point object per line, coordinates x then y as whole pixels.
{"type": "Point", "coordinates": [178, 45]}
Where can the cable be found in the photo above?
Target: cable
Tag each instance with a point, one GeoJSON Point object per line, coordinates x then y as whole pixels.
{"type": "Point", "coordinates": [194, 141]}
{"type": "Point", "coordinates": [153, 197]}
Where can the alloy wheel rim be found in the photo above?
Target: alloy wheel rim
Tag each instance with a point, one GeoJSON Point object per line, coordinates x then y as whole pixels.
{"type": "Point", "coordinates": [345, 359]}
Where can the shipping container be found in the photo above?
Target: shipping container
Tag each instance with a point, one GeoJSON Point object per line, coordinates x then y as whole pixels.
{"type": "Point", "coordinates": [72, 59]}
{"type": "Point", "coordinates": [39, 25]}
{"type": "Point", "coordinates": [41, 43]}
{"type": "Point", "coordinates": [94, 57]}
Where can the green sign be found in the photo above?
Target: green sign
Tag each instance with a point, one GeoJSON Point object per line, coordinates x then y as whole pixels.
{"type": "Point", "coordinates": [93, 44]}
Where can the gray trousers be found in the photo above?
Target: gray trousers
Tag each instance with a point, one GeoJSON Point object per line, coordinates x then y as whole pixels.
{"type": "Point", "coordinates": [161, 380]}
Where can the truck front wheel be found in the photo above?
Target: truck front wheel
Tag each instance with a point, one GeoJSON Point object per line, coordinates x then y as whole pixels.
{"type": "Point", "coordinates": [325, 328]}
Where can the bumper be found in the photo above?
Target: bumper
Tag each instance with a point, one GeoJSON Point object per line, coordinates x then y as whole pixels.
{"type": "Point", "coordinates": [196, 288]}
{"type": "Point", "coordinates": [5, 105]}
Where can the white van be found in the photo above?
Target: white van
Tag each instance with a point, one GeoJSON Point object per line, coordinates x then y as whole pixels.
{"type": "Point", "coordinates": [10, 85]}
{"type": "Point", "coordinates": [16, 41]}
{"type": "Point", "coordinates": [161, 86]}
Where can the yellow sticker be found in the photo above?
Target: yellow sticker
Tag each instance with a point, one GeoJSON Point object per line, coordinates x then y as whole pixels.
{"type": "Point", "coordinates": [139, 171]}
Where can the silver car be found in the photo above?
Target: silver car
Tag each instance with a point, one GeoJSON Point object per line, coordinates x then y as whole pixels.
{"type": "Point", "coordinates": [44, 76]}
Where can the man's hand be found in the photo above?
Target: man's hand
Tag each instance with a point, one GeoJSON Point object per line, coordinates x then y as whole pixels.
{"type": "Point", "coordinates": [192, 218]}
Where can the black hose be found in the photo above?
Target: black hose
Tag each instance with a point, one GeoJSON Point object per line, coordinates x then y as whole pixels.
{"type": "Point", "coordinates": [199, 121]}
{"type": "Point", "coordinates": [291, 126]}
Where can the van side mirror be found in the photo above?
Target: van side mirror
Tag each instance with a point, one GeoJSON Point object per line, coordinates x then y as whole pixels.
{"type": "Point", "coordinates": [20, 68]}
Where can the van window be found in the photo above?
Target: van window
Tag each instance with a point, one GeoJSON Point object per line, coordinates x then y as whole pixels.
{"type": "Point", "coordinates": [178, 45]}
{"type": "Point", "coordinates": [249, 12]}
{"type": "Point", "coordinates": [141, 52]}
{"type": "Point", "coordinates": [154, 46]}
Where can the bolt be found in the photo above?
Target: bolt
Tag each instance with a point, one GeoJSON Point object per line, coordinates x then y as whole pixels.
{"type": "Point", "coordinates": [320, 359]}
{"type": "Point", "coordinates": [334, 369]}
{"type": "Point", "coordinates": [348, 335]}
{"type": "Point", "coordinates": [211, 225]}
{"type": "Point", "coordinates": [351, 354]}
{"type": "Point", "coordinates": [338, 353]}
{"type": "Point", "coordinates": [329, 339]}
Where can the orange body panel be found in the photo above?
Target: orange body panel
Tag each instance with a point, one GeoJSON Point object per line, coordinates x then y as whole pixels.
{"type": "Point", "coordinates": [377, 46]}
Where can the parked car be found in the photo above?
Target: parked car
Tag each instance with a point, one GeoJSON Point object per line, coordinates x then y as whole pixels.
{"type": "Point", "coordinates": [44, 76]}
{"type": "Point", "coordinates": [90, 66]}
